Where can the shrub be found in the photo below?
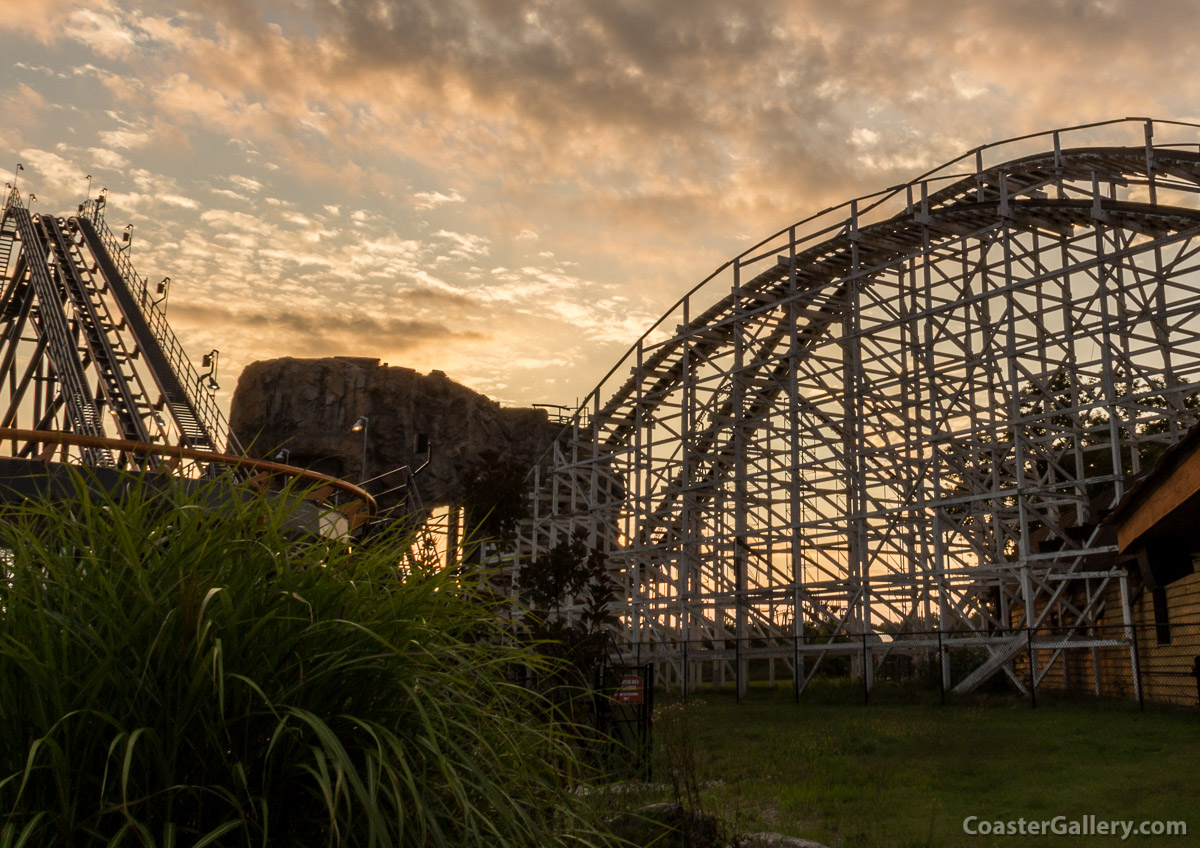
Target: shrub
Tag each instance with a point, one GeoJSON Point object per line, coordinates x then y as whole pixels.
{"type": "Point", "coordinates": [176, 668]}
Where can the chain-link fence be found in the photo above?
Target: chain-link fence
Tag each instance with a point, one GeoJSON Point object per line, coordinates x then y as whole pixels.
{"type": "Point", "coordinates": [1142, 664]}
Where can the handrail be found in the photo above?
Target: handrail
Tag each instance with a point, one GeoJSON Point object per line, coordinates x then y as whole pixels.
{"type": "Point", "coordinates": [802, 232]}
{"type": "Point", "coordinates": [810, 229]}
{"type": "Point", "coordinates": [202, 402]}
{"type": "Point", "coordinates": [91, 314]}
{"type": "Point", "coordinates": [55, 437]}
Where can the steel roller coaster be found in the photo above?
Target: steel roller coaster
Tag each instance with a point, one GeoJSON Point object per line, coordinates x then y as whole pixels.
{"type": "Point", "coordinates": [91, 374]}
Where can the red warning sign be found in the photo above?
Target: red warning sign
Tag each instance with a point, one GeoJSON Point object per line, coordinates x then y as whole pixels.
{"type": "Point", "coordinates": [630, 690]}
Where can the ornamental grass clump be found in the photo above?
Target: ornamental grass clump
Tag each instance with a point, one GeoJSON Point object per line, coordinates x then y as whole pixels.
{"type": "Point", "coordinates": [178, 668]}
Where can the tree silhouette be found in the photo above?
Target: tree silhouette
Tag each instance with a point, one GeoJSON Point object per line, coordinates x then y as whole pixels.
{"type": "Point", "coordinates": [494, 497]}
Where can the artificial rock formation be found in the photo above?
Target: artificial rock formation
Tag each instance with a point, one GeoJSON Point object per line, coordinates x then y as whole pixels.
{"type": "Point", "coordinates": [308, 407]}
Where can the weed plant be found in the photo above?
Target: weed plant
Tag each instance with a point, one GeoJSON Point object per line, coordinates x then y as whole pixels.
{"type": "Point", "coordinates": [178, 669]}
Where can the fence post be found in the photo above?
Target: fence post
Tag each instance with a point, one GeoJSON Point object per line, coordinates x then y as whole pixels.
{"type": "Point", "coordinates": [796, 667]}
{"type": "Point", "coordinates": [866, 687]}
{"type": "Point", "coordinates": [1032, 672]}
{"type": "Point", "coordinates": [737, 666]}
{"type": "Point", "coordinates": [686, 669]}
{"type": "Point", "coordinates": [941, 662]}
{"type": "Point", "coordinates": [1137, 670]}
{"type": "Point", "coordinates": [647, 722]}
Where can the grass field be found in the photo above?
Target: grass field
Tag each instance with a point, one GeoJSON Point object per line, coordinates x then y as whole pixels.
{"type": "Point", "coordinates": [900, 776]}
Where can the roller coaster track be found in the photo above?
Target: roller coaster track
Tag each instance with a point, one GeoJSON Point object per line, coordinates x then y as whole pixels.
{"type": "Point", "coordinates": [890, 411]}
{"type": "Point", "coordinates": [85, 348]}
{"type": "Point", "coordinates": [92, 375]}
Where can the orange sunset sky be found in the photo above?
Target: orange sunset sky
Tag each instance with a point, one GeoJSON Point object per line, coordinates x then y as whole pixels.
{"type": "Point", "coordinates": [511, 191]}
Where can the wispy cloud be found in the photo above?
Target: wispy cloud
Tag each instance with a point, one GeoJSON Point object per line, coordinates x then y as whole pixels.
{"type": "Point", "coordinates": [248, 184]}
{"type": "Point", "coordinates": [538, 179]}
{"type": "Point", "coordinates": [432, 199]}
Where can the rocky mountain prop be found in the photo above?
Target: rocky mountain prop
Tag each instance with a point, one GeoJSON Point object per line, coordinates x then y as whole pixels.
{"type": "Point", "coordinates": [308, 407]}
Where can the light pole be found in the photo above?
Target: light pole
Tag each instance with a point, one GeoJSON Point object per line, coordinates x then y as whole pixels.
{"type": "Point", "coordinates": [209, 378]}
{"type": "Point", "coordinates": [164, 288]}
{"type": "Point", "coordinates": [360, 426]}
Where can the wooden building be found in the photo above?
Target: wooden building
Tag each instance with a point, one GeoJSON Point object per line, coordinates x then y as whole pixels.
{"type": "Point", "coordinates": [1156, 529]}
{"type": "Point", "coordinates": [1157, 526]}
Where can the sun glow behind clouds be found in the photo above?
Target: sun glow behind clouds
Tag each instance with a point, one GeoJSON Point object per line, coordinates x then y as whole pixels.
{"type": "Point", "coordinates": [512, 192]}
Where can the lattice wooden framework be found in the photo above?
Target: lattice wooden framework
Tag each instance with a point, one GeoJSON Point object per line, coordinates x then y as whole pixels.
{"type": "Point", "coordinates": [909, 412]}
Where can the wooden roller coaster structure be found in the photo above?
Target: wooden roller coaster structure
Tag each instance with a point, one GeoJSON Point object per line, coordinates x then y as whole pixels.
{"type": "Point", "coordinates": [899, 424]}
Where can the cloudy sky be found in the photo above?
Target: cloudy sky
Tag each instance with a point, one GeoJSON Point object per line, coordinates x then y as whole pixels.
{"type": "Point", "coordinates": [511, 190]}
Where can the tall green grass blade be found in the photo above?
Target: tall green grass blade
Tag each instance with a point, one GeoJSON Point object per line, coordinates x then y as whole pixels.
{"type": "Point", "coordinates": [174, 661]}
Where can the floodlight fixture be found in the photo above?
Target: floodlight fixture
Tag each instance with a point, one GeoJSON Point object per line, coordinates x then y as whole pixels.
{"type": "Point", "coordinates": [164, 289]}
{"type": "Point", "coordinates": [209, 378]}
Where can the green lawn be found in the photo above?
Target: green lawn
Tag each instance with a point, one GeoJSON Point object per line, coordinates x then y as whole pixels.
{"type": "Point", "coordinates": [908, 774]}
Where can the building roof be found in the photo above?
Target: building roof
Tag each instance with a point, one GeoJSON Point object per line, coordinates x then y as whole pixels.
{"type": "Point", "coordinates": [1158, 519]}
